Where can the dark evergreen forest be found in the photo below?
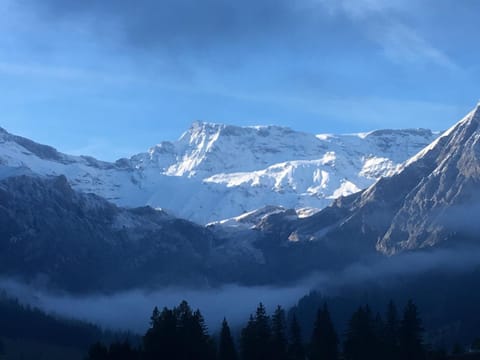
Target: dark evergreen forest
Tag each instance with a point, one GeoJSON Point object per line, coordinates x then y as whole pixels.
{"type": "Point", "coordinates": [181, 334]}
{"type": "Point", "coordinates": [354, 322]}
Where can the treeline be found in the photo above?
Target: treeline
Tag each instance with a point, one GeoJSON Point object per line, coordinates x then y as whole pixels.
{"type": "Point", "coordinates": [18, 321]}
{"type": "Point", "coordinates": [180, 333]}
{"type": "Point", "coordinates": [448, 302]}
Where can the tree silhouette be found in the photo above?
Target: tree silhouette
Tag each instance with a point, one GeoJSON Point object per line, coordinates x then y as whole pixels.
{"type": "Point", "coordinates": [324, 342]}
{"type": "Point", "coordinates": [178, 334]}
{"type": "Point", "coordinates": [391, 332]}
{"type": "Point", "coordinates": [247, 339]}
{"type": "Point", "coordinates": [161, 339]}
{"type": "Point", "coordinates": [279, 342]}
{"type": "Point", "coordinates": [155, 316]}
{"type": "Point", "coordinates": [411, 340]}
{"type": "Point", "coordinates": [192, 336]}
{"type": "Point", "coordinates": [226, 347]}
{"type": "Point", "coordinates": [360, 342]}
{"type": "Point", "coordinates": [181, 334]}
{"type": "Point", "coordinates": [296, 350]}
{"type": "Point", "coordinates": [256, 336]}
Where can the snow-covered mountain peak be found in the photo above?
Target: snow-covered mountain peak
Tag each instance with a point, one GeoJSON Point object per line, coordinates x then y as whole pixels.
{"type": "Point", "coordinates": [217, 171]}
{"type": "Point", "coordinates": [200, 132]}
{"type": "Point", "coordinates": [206, 127]}
{"type": "Point", "coordinates": [476, 113]}
{"type": "Point", "coordinates": [200, 129]}
{"type": "Point", "coordinates": [472, 119]}
{"type": "Point", "coordinates": [208, 148]}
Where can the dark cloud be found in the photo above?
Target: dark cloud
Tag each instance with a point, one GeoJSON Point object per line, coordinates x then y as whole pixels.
{"type": "Point", "coordinates": [219, 31]}
{"type": "Point", "coordinates": [180, 24]}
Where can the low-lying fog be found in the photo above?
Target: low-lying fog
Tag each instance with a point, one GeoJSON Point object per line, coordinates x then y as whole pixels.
{"type": "Point", "coordinates": [130, 310]}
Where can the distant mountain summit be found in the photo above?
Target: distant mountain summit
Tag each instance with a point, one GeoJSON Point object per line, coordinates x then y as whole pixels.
{"type": "Point", "coordinates": [217, 171]}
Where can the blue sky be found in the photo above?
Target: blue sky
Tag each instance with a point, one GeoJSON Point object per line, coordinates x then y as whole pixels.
{"type": "Point", "coordinates": [110, 78]}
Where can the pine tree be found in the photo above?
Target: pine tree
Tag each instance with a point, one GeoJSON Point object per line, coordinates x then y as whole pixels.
{"type": "Point", "coordinates": [247, 340]}
{"type": "Point", "coordinates": [279, 342]}
{"type": "Point", "coordinates": [391, 332]}
{"type": "Point", "coordinates": [155, 317]}
{"type": "Point", "coordinates": [296, 350]}
{"type": "Point", "coordinates": [262, 333]}
{"type": "Point", "coordinates": [205, 348]}
{"type": "Point", "coordinates": [161, 340]}
{"type": "Point", "coordinates": [192, 336]}
{"type": "Point", "coordinates": [179, 333]}
{"type": "Point", "coordinates": [411, 341]}
{"type": "Point", "coordinates": [226, 349]}
{"type": "Point", "coordinates": [360, 342]}
{"type": "Point", "coordinates": [324, 342]}
{"type": "Point", "coordinates": [262, 322]}
{"type": "Point", "coordinates": [185, 331]}
{"type": "Point", "coordinates": [256, 336]}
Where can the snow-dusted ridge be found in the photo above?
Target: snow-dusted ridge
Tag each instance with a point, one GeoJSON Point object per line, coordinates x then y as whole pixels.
{"type": "Point", "coordinates": [217, 171]}
{"type": "Point", "coordinates": [429, 201]}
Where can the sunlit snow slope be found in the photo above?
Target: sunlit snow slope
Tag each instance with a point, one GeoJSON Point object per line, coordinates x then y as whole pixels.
{"type": "Point", "coordinates": [215, 171]}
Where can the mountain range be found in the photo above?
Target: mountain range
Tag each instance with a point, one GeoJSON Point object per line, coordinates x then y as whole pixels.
{"type": "Point", "coordinates": [82, 225]}
{"type": "Point", "coordinates": [214, 172]}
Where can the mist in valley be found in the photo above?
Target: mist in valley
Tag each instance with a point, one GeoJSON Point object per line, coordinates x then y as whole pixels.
{"type": "Point", "coordinates": [130, 310]}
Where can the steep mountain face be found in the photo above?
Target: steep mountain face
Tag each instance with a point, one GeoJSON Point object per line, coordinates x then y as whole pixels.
{"type": "Point", "coordinates": [53, 234]}
{"type": "Point", "coordinates": [430, 201]}
{"type": "Point", "coordinates": [444, 204]}
{"type": "Point", "coordinates": [215, 172]}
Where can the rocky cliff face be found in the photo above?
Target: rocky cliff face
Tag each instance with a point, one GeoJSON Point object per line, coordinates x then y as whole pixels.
{"type": "Point", "coordinates": [444, 204]}
{"type": "Point", "coordinates": [431, 200]}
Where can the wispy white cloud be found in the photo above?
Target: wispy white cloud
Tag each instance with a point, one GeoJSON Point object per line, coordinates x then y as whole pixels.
{"type": "Point", "coordinates": [401, 43]}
